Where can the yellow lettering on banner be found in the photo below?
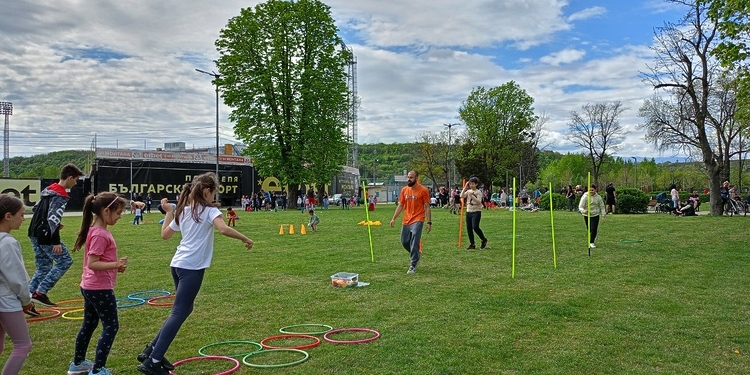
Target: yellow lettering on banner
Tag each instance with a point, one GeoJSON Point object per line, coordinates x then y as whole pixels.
{"type": "Point", "coordinates": [113, 188]}
{"type": "Point", "coordinates": [228, 189]}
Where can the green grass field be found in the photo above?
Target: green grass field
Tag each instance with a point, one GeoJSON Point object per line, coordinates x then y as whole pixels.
{"type": "Point", "coordinates": [675, 303]}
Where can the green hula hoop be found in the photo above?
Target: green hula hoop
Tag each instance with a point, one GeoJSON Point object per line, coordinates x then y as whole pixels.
{"type": "Point", "coordinates": [631, 240]}
{"type": "Point", "coordinates": [66, 316]}
{"type": "Point", "coordinates": [306, 356]}
{"type": "Point", "coordinates": [288, 331]}
{"type": "Point", "coordinates": [260, 347]}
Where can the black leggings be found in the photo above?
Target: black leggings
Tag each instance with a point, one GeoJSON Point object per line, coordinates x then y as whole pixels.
{"type": "Point", "coordinates": [593, 226]}
{"type": "Point", "coordinates": [472, 225]}
{"type": "Point", "coordinates": [98, 305]}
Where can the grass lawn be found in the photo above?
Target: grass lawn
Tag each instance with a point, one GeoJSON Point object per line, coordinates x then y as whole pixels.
{"type": "Point", "coordinates": [675, 303]}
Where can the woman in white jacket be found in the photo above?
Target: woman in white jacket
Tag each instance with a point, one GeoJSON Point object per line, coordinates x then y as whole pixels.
{"type": "Point", "coordinates": [473, 200]}
{"type": "Point", "coordinates": [592, 207]}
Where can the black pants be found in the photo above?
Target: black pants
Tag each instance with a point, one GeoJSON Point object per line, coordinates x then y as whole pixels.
{"type": "Point", "coordinates": [472, 225]}
{"type": "Point", "coordinates": [593, 226]}
{"type": "Point", "coordinates": [98, 305]}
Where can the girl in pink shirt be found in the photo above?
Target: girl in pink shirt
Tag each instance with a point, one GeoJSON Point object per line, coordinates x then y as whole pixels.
{"type": "Point", "coordinates": [100, 267]}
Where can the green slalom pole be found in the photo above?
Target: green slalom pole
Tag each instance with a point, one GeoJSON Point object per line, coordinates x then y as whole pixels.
{"type": "Point", "coordinates": [367, 216]}
{"type": "Point", "coordinates": [513, 246]}
{"type": "Point", "coordinates": [588, 213]}
{"type": "Point", "coordinates": [552, 223]}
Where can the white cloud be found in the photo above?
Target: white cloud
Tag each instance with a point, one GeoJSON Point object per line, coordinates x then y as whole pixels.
{"type": "Point", "coordinates": [587, 13]}
{"type": "Point", "coordinates": [565, 56]}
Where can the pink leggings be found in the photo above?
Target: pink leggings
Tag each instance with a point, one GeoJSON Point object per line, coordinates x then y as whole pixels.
{"type": "Point", "coordinates": [14, 324]}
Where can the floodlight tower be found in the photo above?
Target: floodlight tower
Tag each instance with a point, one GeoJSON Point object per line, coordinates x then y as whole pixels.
{"type": "Point", "coordinates": [216, 83]}
{"type": "Point", "coordinates": [353, 106]}
{"type": "Point", "coordinates": [6, 108]}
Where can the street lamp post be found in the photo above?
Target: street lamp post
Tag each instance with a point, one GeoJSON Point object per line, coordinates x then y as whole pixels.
{"type": "Point", "coordinates": [450, 159]}
{"type": "Point", "coordinates": [216, 82]}
{"type": "Point", "coordinates": [635, 178]}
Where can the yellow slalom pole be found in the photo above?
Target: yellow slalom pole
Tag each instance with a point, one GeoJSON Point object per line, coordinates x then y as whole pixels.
{"type": "Point", "coordinates": [513, 242]}
{"type": "Point", "coordinates": [588, 214]}
{"type": "Point", "coordinates": [367, 216]}
{"type": "Point", "coordinates": [461, 215]}
{"type": "Point", "coordinates": [552, 223]}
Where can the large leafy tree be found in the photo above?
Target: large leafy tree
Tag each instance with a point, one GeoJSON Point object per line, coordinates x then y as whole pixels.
{"type": "Point", "coordinates": [597, 130]}
{"type": "Point", "coordinates": [283, 71]}
{"type": "Point", "coordinates": [500, 137]}
{"type": "Point", "coordinates": [732, 19]}
{"type": "Point", "coordinates": [697, 116]}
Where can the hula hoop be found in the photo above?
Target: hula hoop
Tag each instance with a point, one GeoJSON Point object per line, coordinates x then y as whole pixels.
{"type": "Point", "coordinates": [66, 316]}
{"type": "Point", "coordinates": [55, 314]}
{"type": "Point", "coordinates": [63, 308]}
{"type": "Point", "coordinates": [147, 294]}
{"type": "Point", "coordinates": [287, 331]}
{"type": "Point", "coordinates": [260, 347]}
{"type": "Point", "coordinates": [211, 358]}
{"type": "Point", "coordinates": [306, 356]}
{"type": "Point", "coordinates": [328, 338]}
{"type": "Point", "coordinates": [138, 302]}
{"type": "Point", "coordinates": [631, 240]}
{"type": "Point", "coordinates": [153, 301]}
{"type": "Point", "coordinates": [316, 342]}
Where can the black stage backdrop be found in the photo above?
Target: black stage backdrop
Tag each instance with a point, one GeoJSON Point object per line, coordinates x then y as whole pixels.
{"type": "Point", "coordinates": [165, 179]}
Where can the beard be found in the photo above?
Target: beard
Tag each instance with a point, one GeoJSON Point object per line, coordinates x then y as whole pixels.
{"type": "Point", "coordinates": [411, 183]}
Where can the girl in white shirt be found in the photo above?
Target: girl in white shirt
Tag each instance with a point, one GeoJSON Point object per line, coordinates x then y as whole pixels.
{"type": "Point", "coordinates": [195, 217]}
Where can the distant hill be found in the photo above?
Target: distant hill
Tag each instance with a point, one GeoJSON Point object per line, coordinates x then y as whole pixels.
{"type": "Point", "coordinates": [48, 166]}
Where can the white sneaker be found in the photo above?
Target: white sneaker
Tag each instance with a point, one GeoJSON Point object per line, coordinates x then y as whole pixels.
{"type": "Point", "coordinates": [591, 245]}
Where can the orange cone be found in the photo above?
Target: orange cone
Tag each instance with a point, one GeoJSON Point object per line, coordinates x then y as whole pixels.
{"type": "Point", "coordinates": [291, 228]}
{"type": "Point", "coordinates": [302, 229]}
{"type": "Point", "coordinates": [281, 229]}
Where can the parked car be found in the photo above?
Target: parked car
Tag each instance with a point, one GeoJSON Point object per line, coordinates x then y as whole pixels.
{"type": "Point", "coordinates": [335, 200]}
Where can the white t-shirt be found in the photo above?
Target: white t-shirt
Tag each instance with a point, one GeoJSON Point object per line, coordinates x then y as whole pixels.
{"type": "Point", "coordinates": [197, 245]}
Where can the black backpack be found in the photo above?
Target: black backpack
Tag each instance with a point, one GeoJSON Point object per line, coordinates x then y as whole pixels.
{"type": "Point", "coordinates": [39, 227]}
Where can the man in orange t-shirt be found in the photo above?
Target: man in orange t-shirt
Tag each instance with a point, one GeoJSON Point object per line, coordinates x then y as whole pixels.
{"type": "Point", "coordinates": [414, 202]}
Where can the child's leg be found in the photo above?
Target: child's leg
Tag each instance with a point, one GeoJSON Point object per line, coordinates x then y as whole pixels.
{"type": "Point", "coordinates": [14, 323]}
{"type": "Point", "coordinates": [90, 322]}
{"type": "Point", "coordinates": [105, 307]}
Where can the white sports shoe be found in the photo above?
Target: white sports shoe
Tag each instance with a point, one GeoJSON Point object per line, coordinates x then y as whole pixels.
{"type": "Point", "coordinates": [591, 245]}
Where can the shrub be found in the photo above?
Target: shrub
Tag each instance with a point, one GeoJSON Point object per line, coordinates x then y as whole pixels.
{"type": "Point", "coordinates": [560, 202]}
{"type": "Point", "coordinates": [631, 201]}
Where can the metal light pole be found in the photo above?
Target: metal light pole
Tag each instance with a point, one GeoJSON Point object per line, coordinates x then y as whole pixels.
{"type": "Point", "coordinates": [635, 179]}
{"type": "Point", "coordinates": [450, 159]}
{"type": "Point", "coordinates": [6, 108]}
{"type": "Point", "coordinates": [216, 82]}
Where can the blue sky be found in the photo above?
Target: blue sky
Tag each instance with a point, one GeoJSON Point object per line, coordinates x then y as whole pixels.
{"type": "Point", "coordinates": [123, 72]}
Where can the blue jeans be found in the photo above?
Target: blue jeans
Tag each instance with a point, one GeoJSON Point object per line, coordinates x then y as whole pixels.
{"type": "Point", "coordinates": [50, 268]}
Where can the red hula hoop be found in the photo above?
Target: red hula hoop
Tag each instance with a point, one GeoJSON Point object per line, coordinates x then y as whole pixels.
{"type": "Point", "coordinates": [316, 342]}
{"type": "Point", "coordinates": [362, 341]}
{"type": "Point", "coordinates": [152, 301]}
{"type": "Point", "coordinates": [55, 314]}
{"type": "Point", "coordinates": [210, 358]}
